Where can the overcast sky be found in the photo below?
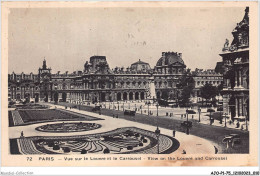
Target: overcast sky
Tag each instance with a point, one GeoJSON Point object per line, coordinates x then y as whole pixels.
{"type": "Point", "coordinates": [68, 37]}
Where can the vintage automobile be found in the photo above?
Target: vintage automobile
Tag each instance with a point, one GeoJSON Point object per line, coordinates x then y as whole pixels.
{"type": "Point", "coordinates": [233, 137]}
{"type": "Point", "coordinates": [96, 108]}
{"type": "Point", "coordinates": [210, 110]}
{"type": "Point", "coordinates": [186, 124]}
{"type": "Point", "coordinates": [129, 112]}
{"type": "Point", "coordinates": [190, 111]}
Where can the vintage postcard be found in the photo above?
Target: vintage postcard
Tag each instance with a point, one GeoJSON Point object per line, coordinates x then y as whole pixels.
{"type": "Point", "coordinates": [129, 84]}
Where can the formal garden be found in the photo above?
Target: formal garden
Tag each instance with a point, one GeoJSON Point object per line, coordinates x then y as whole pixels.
{"type": "Point", "coordinates": [127, 140]}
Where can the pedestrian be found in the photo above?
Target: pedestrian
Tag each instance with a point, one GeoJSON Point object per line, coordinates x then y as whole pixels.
{"type": "Point", "coordinates": [238, 124]}
{"type": "Point", "coordinates": [173, 133]}
{"type": "Point", "coordinates": [216, 149]}
{"type": "Point", "coordinates": [183, 151]}
{"type": "Point", "coordinates": [22, 134]}
{"type": "Point", "coordinates": [117, 116]}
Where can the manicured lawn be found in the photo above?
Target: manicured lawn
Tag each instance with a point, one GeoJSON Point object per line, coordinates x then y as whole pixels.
{"type": "Point", "coordinates": [37, 116]}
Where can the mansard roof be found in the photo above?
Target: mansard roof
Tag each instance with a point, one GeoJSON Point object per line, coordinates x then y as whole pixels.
{"type": "Point", "coordinates": [170, 58]}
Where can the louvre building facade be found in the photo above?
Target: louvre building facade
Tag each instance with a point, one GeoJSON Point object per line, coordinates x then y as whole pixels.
{"type": "Point", "coordinates": [97, 82]}
{"type": "Point", "coordinates": [236, 71]}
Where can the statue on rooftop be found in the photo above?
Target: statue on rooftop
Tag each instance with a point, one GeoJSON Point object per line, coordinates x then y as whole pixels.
{"type": "Point", "coordinates": [226, 43]}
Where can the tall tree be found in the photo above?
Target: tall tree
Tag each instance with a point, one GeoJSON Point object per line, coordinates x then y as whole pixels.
{"type": "Point", "coordinates": [208, 91]}
{"type": "Point", "coordinates": [186, 86]}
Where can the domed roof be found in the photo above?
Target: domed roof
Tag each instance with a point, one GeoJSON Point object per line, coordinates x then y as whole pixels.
{"type": "Point", "coordinates": [140, 66]}
{"type": "Point", "coordinates": [169, 58]}
{"type": "Point", "coordinates": [139, 62]}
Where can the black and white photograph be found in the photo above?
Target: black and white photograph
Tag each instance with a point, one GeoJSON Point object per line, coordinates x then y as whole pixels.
{"type": "Point", "coordinates": [135, 82]}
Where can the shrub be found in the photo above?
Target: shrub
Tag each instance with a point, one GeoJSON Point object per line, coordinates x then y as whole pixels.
{"type": "Point", "coordinates": [40, 141]}
{"type": "Point", "coordinates": [130, 147]}
{"type": "Point", "coordinates": [83, 151]}
{"type": "Point", "coordinates": [56, 147]}
{"type": "Point", "coordinates": [50, 144]}
{"type": "Point", "coordinates": [106, 150]}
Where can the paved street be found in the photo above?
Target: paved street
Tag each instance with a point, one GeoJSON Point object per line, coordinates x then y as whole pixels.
{"type": "Point", "coordinates": [210, 132]}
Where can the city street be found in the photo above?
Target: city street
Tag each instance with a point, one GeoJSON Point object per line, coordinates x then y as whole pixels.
{"type": "Point", "coordinates": [211, 132]}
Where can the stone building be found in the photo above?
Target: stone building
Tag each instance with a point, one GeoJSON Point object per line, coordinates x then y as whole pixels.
{"type": "Point", "coordinates": [236, 71]}
{"type": "Point", "coordinates": [97, 82]}
{"type": "Point", "coordinates": [168, 70]}
{"type": "Point", "coordinates": [202, 77]}
{"type": "Point", "coordinates": [23, 86]}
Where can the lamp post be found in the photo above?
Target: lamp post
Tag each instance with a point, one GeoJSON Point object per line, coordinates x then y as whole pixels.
{"type": "Point", "coordinates": [199, 110]}
{"type": "Point", "coordinates": [129, 105]}
{"type": "Point", "coordinates": [141, 109]}
{"type": "Point", "coordinates": [187, 115]}
{"type": "Point", "coordinates": [123, 106]}
{"type": "Point", "coordinates": [157, 133]}
{"type": "Point", "coordinates": [148, 108]}
{"type": "Point", "coordinates": [225, 119]}
{"type": "Point", "coordinates": [157, 105]}
{"type": "Point", "coordinates": [210, 118]}
{"type": "Point", "coordinates": [118, 105]}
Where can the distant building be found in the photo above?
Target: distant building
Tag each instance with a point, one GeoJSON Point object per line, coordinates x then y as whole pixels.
{"type": "Point", "coordinates": [236, 73]}
{"type": "Point", "coordinates": [202, 77]}
{"type": "Point", "coordinates": [167, 72]}
{"type": "Point", "coordinates": [97, 82]}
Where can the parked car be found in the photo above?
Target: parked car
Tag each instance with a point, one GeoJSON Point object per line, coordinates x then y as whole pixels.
{"type": "Point", "coordinates": [236, 138]}
{"type": "Point", "coordinates": [186, 124]}
{"type": "Point", "coordinates": [96, 108]}
{"type": "Point", "coordinates": [129, 112]}
{"type": "Point", "coordinates": [210, 110]}
{"type": "Point", "coordinates": [220, 108]}
{"type": "Point", "coordinates": [190, 111]}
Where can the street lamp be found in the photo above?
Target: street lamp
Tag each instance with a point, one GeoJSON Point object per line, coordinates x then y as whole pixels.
{"type": "Point", "coordinates": [225, 119]}
{"type": "Point", "coordinates": [187, 115]}
{"type": "Point", "coordinates": [157, 105]}
{"type": "Point", "coordinates": [118, 105]}
{"type": "Point", "coordinates": [157, 133]}
{"type": "Point", "coordinates": [210, 118]}
{"type": "Point", "coordinates": [148, 108]}
{"type": "Point", "coordinates": [123, 106]}
{"type": "Point", "coordinates": [199, 110]}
